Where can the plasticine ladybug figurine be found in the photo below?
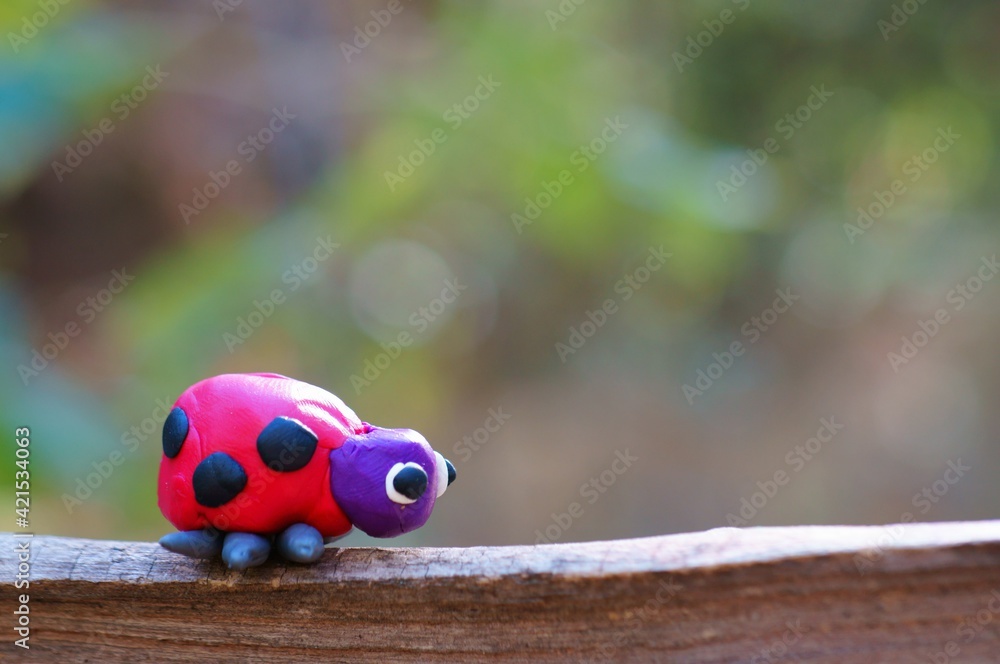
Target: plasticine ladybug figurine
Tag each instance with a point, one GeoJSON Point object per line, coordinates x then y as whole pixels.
{"type": "Point", "coordinates": [251, 460]}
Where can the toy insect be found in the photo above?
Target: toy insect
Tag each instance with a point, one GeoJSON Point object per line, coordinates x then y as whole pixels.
{"type": "Point", "coordinates": [252, 461]}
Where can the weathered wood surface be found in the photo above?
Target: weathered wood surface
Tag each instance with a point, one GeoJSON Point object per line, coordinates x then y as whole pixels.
{"type": "Point", "coordinates": [924, 593]}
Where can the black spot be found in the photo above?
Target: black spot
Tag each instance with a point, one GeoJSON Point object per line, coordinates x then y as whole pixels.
{"type": "Point", "coordinates": [286, 444]}
{"type": "Point", "coordinates": [218, 479]}
{"type": "Point", "coordinates": [411, 482]}
{"type": "Point", "coordinates": [451, 472]}
{"type": "Point", "coordinates": [175, 430]}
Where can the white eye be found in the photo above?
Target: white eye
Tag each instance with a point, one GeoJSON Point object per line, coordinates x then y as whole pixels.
{"type": "Point", "coordinates": [405, 483]}
{"type": "Point", "coordinates": [442, 474]}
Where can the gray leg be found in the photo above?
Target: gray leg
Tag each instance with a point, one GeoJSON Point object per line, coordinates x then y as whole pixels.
{"type": "Point", "coordinates": [300, 543]}
{"type": "Point", "coordinates": [243, 550]}
{"type": "Point", "coordinates": [194, 543]}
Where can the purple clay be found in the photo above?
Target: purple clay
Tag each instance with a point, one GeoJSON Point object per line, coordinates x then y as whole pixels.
{"type": "Point", "coordinates": [386, 480]}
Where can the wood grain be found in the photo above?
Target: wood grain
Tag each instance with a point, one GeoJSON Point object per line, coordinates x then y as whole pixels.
{"type": "Point", "coordinates": [910, 593]}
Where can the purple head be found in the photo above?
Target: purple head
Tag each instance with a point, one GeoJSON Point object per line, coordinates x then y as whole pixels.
{"type": "Point", "coordinates": [387, 480]}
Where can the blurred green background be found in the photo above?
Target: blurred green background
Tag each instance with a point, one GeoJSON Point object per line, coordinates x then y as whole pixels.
{"type": "Point", "coordinates": [419, 137]}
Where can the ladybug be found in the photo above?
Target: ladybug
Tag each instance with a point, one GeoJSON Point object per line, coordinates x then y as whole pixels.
{"type": "Point", "coordinates": [255, 461]}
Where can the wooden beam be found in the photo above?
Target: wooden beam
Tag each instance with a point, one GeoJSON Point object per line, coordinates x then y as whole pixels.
{"type": "Point", "coordinates": [914, 593]}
